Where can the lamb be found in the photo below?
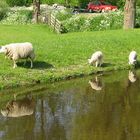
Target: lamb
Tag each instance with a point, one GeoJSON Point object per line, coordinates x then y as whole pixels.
{"type": "Point", "coordinates": [96, 58]}
{"type": "Point", "coordinates": [132, 58]}
{"type": "Point", "coordinates": [19, 108]}
{"type": "Point", "coordinates": [17, 51]}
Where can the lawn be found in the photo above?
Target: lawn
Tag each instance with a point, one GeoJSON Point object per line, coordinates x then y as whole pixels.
{"type": "Point", "coordinates": [62, 56]}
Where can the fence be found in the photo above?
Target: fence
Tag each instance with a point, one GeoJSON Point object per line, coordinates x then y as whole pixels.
{"type": "Point", "coordinates": [54, 23]}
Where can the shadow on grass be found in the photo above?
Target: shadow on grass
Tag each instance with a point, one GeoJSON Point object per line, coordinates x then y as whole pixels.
{"type": "Point", "coordinates": [36, 65]}
{"type": "Point", "coordinates": [107, 65]}
{"type": "Point", "coordinates": [136, 66]}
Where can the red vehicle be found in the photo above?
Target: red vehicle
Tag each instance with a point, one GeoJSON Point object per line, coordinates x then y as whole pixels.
{"type": "Point", "coordinates": [101, 6]}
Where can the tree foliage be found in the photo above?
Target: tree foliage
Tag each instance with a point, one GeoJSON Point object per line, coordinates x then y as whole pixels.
{"type": "Point", "coordinates": [16, 2]}
{"type": "Point", "coordinates": [3, 9]}
{"type": "Point", "coordinates": [82, 3]}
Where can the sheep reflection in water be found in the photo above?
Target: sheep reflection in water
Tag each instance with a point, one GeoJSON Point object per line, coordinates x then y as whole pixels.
{"type": "Point", "coordinates": [96, 83]}
{"type": "Point", "coordinates": [19, 108]}
{"type": "Point", "coordinates": [132, 76]}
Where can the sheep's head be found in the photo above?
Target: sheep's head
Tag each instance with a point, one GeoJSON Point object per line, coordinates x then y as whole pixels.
{"type": "Point", "coordinates": [135, 62]}
{"type": "Point", "coordinates": [3, 49]}
{"type": "Point", "coordinates": [91, 61]}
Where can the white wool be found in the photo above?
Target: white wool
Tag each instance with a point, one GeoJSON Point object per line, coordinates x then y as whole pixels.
{"type": "Point", "coordinates": [132, 58]}
{"type": "Point", "coordinates": [17, 51]}
{"type": "Point", "coordinates": [97, 58]}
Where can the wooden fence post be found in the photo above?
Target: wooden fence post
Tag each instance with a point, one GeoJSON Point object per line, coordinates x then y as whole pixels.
{"type": "Point", "coordinates": [55, 23]}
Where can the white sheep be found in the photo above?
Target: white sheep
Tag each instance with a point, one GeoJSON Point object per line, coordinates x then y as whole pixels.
{"type": "Point", "coordinates": [17, 51]}
{"type": "Point", "coordinates": [96, 58]}
{"type": "Point", "coordinates": [132, 58]}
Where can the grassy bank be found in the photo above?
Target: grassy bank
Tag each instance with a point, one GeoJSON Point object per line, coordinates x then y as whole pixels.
{"type": "Point", "coordinates": [64, 56]}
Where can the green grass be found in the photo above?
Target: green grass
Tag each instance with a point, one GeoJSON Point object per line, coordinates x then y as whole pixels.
{"type": "Point", "coordinates": [64, 56]}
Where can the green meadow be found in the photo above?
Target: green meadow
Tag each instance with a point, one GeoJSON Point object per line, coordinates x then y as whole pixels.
{"type": "Point", "coordinates": [64, 56]}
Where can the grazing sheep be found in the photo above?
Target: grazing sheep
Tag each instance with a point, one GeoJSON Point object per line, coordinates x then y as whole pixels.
{"type": "Point", "coordinates": [132, 58]}
{"type": "Point", "coordinates": [96, 58]}
{"type": "Point", "coordinates": [19, 108]}
{"type": "Point", "coordinates": [17, 51]}
{"type": "Point", "coordinates": [96, 84]}
{"type": "Point", "coordinates": [132, 76]}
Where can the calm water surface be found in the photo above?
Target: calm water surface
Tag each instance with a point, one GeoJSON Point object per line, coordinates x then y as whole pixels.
{"type": "Point", "coordinates": [103, 107]}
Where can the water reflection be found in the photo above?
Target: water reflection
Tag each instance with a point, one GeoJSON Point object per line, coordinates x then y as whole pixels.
{"type": "Point", "coordinates": [18, 108]}
{"type": "Point", "coordinates": [96, 83]}
{"type": "Point", "coordinates": [132, 76]}
{"type": "Point", "coordinates": [72, 112]}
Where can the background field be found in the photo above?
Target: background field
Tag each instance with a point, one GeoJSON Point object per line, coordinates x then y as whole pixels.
{"type": "Point", "coordinates": [65, 55]}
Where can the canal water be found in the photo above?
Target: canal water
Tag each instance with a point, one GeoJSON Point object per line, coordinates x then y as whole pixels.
{"type": "Point", "coordinates": [100, 107]}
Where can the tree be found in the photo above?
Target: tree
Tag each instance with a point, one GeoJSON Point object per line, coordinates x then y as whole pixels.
{"type": "Point", "coordinates": [36, 8]}
{"type": "Point", "coordinates": [129, 14]}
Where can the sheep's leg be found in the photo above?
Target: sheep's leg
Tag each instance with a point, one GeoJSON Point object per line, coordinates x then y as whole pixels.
{"type": "Point", "coordinates": [7, 57]}
{"type": "Point", "coordinates": [31, 63]}
{"type": "Point", "coordinates": [101, 63]}
{"type": "Point", "coordinates": [15, 65]}
{"type": "Point", "coordinates": [96, 64]}
{"type": "Point", "coordinates": [32, 56]}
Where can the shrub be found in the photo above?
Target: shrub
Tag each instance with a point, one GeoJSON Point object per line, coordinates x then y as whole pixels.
{"type": "Point", "coordinates": [16, 2]}
{"type": "Point", "coordinates": [112, 20]}
{"type": "Point", "coordinates": [18, 17]}
{"type": "Point", "coordinates": [63, 14]}
{"type": "Point", "coordinates": [3, 9]}
{"type": "Point", "coordinates": [74, 24]}
{"type": "Point", "coordinates": [19, 2]}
